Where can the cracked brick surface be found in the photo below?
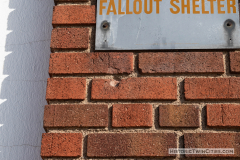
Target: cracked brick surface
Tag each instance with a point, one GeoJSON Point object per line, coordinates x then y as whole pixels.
{"type": "Point", "coordinates": [213, 140]}
{"type": "Point", "coordinates": [212, 88]}
{"type": "Point", "coordinates": [181, 62]}
{"type": "Point", "coordinates": [223, 115]}
{"type": "Point", "coordinates": [87, 115]}
{"type": "Point", "coordinates": [96, 62]}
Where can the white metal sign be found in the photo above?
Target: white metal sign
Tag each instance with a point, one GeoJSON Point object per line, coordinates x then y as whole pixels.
{"type": "Point", "coordinates": [167, 24]}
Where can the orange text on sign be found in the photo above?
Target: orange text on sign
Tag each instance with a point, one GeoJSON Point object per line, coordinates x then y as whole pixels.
{"type": "Point", "coordinates": [177, 6]}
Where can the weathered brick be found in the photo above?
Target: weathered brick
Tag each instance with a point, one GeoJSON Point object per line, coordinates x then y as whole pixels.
{"type": "Point", "coordinates": [213, 140]}
{"type": "Point", "coordinates": [66, 88]}
{"type": "Point", "coordinates": [178, 116]}
{"type": "Point", "coordinates": [74, 14]}
{"type": "Point", "coordinates": [135, 88]}
{"type": "Point", "coordinates": [61, 145]}
{"type": "Point", "coordinates": [235, 62]}
{"type": "Point", "coordinates": [87, 115]}
{"type": "Point", "coordinates": [46, 145]}
{"type": "Point", "coordinates": [181, 62]}
{"type": "Point", "coordinates": [48, 119]}
{"type": "Point", "coordinates": [132, 115]}
{"type": "Point", "coordinates": [102, 62]}
{"type": "Point", "coordinates": [131, 145]}
{"type": "Point", "coordinates": [212, 88]}
{"type": "Point", "coordinates": [223, 115]}
{"type": "Point", "coordinates": [70, 38]}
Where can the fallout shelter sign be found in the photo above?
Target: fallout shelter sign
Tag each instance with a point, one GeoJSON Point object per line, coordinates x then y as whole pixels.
{"type": "Point", "coordinates": [167, 24]}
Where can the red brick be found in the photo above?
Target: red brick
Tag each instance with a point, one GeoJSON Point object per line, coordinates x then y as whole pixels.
{"type": "Point", "coordinates": [74, 14]}
{"type": "Point", "coordinates": [135, 88]}
{"type": "Point", "coordinates": [179, 116]}
{"type": "Point", "coordinates": [102, 62]}
{"type": "Point", "coordinates": [181, 62]}
{"type": "Point", "coordinates": [213, 140]}
{"type": "Point", "coordinates": [132, 115]}
{"type": "Point", "coordinates": [66, 88]}
{"type": "Point", "coordinates": [61, 145]}
{"type": "Point", "coordinates": [48, 119]}
{"type": "Point", "coordinates": [235, 62]}
{"type": "Point", "coordinates": [70, 38]}
{"type": "Point", "coordinates": [223, 115]}
{"type": "Point", "coordinates": [88, 115]}
{"type": "Point", "coordinates": [131, 145]}
{"type": "Point", "coordinates": [46, 146]}
{"type": "Point", "coordinates": [212, 88]}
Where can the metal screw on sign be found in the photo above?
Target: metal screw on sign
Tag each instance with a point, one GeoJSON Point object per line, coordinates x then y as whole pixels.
{"type": "Point", "coordinates": [229, 26]}
{"type": "Point", "coordinates": [105, 25]}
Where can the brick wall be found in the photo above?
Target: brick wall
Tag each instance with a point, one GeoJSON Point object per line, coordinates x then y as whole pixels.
{"type": "Point", "coordinates": [135, 104]}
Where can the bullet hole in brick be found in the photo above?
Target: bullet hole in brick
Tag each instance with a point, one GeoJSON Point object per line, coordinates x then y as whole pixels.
{"type": "Point", "coordinates": [114, 83]}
